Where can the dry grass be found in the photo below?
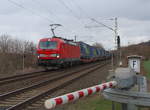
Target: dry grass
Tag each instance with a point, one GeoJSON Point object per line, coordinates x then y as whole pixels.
{"type": "Point", "coordinates": [13, 63]}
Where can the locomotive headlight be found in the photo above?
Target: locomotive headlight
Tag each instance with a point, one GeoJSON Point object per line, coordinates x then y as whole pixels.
{"type": "Point", "coordinates": [58, 56]}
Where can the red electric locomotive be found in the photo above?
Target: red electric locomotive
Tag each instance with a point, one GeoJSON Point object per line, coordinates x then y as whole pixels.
{"type": "Point", "coordinates": [57, 52]}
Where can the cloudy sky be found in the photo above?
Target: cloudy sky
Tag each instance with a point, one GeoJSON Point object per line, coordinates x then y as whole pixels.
{"type": "Point", "coordinates": [30, 19]}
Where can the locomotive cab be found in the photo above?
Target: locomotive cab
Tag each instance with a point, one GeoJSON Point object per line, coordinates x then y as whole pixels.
{"type": "Point", "coordinates": [57, 52]}
{"type": "Point", "coordinates": [48, 49]}
{"type": "Point", "coordinates": [48, 52]}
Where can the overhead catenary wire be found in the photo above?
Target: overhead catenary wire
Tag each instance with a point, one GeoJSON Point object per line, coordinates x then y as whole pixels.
{"type": "Point", "coordinates": [51, 12]}
{"type": "Point", "coordinates": [102, 24]}
{"type": "Point", "coordinates": [29, 10]}
{"type": "Point", "coordinates": [47, 9]}
{"type": "Point", "coordinates": [87, 15]}
{"type": "Point", "coordinates": [91, 18]}
{"type": "Point", "coordinates": [83, 11]}
{"type": "Point", "coordinates": [69, 9]}
{"type": "Point", "coordinates": [72, 4]}
{"type": "Point", "coordinates": [44, 17]}
{"type": "Point", "coordinates": [80, 9]}
{"type": "Point", "coordinates": [37, 2]}
{"type": "Point", "coordinates": [72, 12]}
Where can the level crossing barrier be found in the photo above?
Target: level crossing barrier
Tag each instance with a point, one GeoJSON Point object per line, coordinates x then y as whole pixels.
{"type": "Point", "coordinates": [53, 102]}
{"type": "Point", "coordinates": [126, 87]}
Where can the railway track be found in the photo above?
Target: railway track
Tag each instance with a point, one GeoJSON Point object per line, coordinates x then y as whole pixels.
{"type": "Point", "coordinates": [14, 83]}
{"type": "Point", "coordinates": [20, 77]}
{"type": "Point", "coordinates": [15, 78]}
{"type": "Point", "coordinates": [18, 99]}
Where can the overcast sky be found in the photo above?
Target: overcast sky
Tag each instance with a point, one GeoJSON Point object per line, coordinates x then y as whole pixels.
{"type": "Point", "coordinates": [30, 19]}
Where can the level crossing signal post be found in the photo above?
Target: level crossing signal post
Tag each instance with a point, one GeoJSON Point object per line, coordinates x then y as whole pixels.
{"type": "Point", "coordinates": [117, 38]}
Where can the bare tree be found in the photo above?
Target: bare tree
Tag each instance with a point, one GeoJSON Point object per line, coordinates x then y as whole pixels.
{"type": "Point", "coordinates": [4, 43]}
{"type": "Point", "coordinates": [13, 52]}
{"type": "Point", "coordinates": [29, 47]}
{"type": "Point", "coordinates": [99, 45]}
{"type": "Point", "coordinates": [9, 45]}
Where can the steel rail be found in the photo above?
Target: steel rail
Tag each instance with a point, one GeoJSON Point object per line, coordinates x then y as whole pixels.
{"type": "Point", "coordinates": [20, 77]}
{"type": "Point", "coordinates": [56, 77]}
{"type": "Point", "coordinates": [24, 76]}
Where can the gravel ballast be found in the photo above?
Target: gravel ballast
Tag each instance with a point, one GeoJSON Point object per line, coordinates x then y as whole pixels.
{"type": "Point", "coordinates": [97, 77]}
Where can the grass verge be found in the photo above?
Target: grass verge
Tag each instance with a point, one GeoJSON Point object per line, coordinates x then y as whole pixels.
{"type": "Point", "coordinates": [147, 68]}
{"type": "Point", "coordinates": [94, 102]}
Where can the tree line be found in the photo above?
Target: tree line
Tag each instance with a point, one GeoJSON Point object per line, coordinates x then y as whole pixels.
{"type": "Point", "coordinates": [12, 53]}
{"type": "Point", "coordinates": [11, 45]}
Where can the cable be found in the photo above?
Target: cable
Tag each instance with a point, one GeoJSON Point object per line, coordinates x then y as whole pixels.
{"type": "Point", "coordinates": [69, 9]}
{"type": "Point", "coordinates": [53, 14]}
{"type": "Point", "coordinates": [21, 6]}
{"type": "Point", "coordinates": [37, 2]}
{"type": "Point", "coordinates": [71, 4]}
{"type": "Point", "coordinates": [102, 24]}
{"type": "Point", "coordinates": [80, 9]}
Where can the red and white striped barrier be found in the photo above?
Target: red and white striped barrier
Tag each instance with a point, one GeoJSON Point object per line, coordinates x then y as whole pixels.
{"type": "Point", "coordinates": [51, 103]}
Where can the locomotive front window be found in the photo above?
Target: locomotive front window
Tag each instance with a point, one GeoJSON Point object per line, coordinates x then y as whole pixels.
{"type": "Point", "coordinates": [48, 45]}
